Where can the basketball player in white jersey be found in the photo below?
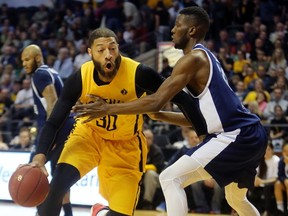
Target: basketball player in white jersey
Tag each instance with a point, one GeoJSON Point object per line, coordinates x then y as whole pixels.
{"type": "Point", "coordinates": [234, 139]}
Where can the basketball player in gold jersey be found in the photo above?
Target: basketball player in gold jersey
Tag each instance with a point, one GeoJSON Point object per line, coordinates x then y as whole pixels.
{"type": "Point", "coordinates": [114, 143]}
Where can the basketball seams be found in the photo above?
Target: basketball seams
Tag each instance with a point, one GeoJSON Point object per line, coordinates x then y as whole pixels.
{"type": "Point", "coordinates": [28, 186]}
{"type": "Point", "coordinates": [20, 184]}
{"type": "Point", "coordinates": [36, 187]}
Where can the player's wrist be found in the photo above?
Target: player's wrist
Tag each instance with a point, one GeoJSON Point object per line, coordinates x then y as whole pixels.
{"type": "Point", "coordinates": [109, 109]}
{"type": "Point", "coordinates": [39, 159]}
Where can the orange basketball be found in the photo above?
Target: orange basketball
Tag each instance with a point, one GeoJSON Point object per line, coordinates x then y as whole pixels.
{"type": "Point", "coordinates": [28, 186]}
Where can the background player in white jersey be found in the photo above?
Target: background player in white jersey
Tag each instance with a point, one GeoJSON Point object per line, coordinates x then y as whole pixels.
{"type": "Point", "coordinates": [47, 86]}
{"type": "Point", "coordinates": [235, 141]}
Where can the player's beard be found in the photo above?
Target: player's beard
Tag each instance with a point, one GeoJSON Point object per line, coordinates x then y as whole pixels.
{"type": "Point", "coordinates": [34, 66]}
{"type": "Point", "coordinates": [183, 41]}
{"type": "Point", "coordinates": [100, 69]}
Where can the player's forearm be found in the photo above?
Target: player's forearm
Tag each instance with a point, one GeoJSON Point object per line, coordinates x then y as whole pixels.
{"type": "Point", "coordinates": [176, 118]}
{"type": "Point", "coordinates": [139, 106]}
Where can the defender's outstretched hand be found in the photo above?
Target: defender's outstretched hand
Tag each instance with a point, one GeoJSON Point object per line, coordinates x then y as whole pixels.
{"type": "Point", "coordinates": [95, 109]}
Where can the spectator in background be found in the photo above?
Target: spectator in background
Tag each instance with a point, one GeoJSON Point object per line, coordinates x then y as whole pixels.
{"type": "Point", "coordinates": [281, 188]}
{"type": "Point", "coordinates": [258, 87]}
{"type": "Point", "coordinates": [8, 76]}
{"type": "Point", "coordinates": [226, 61]}
{"type": "Point", "coordinates": [278, 99]}
{"type": "Point", "coordinates": [162, 22]}
{"type": "Point", "coordinates": [240, 90]}
{"type": "Point", "coordinates": [147, 16]}
{"type": "Point", "coordinates": [166, 68]}
{"type": "Point", "coordinates": [266, 11]}
{"type": "Point", "coordinates": [174, 10]}
{"type": "Point", "coordinates": [267, 44]}
{"type": "Point", "coordinates": [278, 33]}
{"type": "Point", "coordinates": [154, 165]}
{"type": "Point", "coordinates": [112, 15]}
{"type": "Point", "coordinates": [248, 31]}
{"type": "Point", "coordinates": [277, 60]}
{"type": "Point", "coordinates": [69, 17]}
{"type": "Point", "coordinates": [70, 45]}
{"type": "Point", "coordinates": [64, 64]}
{"type": "Point", "coordinates": [262, 196]}
{"type": "Point", "coordinates": [220, 15]}
{"type": "Point", "coordinates": [239, 42]}
{"type": "Point", "coordinates": [239, 63]}
{"type": "Point", "coordinates": [7, 56]}
{"type": "Point", "coordinates": [235, 78]}
{"type": "Point", "coordinates": [262, 102]}
{"type": "Point", "coordinates": [41, 14]}
{"type": "Point", "coordinates": [23, 40]}
{"type": "Point", "coordinates": [131, 13]}
{"type": "Point", "coordinates": [5, 105]}
{"type": "Point", "coordinates": [222, 40]}
{"type": "Point", "coordinates": [281, 82]}
{"type": "Point", "coordinates": [22, 141]}
{"type": "Point", "coordinates": [260, 60]}
{"type": "Point", "coordinates": [24, 99]}
{"type": "Point", "coordinates": [3, 144]}
{"type": "Point", "coordinates": [244, 11]}
{"type": "Point", "coordinates": [16, 87]}
{"type": "Point", "coordinates": [5, 12]}
{"type": "Point", "coordinates": [23, 109]}
{"type": "Point", "coordinates": [253, 106]}
{"type": "Point", "coordinates": [258, 45]}
{"type": "Point", "coordinates": [50, 60]}
{"type": "Point", "coordinates": [249, 74]}
{"type": "Point", "coordinates": [89, 19]}
{"type": "Point", "coordinates": [131, 45]}
{"type": "Point", "coordinates": [183, 142]}
{"type": "Point", "coordinates": [262, 74]}
{"type": "Point", "coordinates": [81, 57]}
{"type": "Point", "coordinates": [278, 131]}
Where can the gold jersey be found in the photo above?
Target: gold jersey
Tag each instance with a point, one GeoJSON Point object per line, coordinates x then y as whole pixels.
{"type": "Point", "coordinates": [120, 90]}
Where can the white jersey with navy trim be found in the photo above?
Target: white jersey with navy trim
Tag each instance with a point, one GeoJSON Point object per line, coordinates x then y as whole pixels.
{"type": "Point", "coordinates": [218, 105]}
{"type": "Point", "coordinates": [42, 77]}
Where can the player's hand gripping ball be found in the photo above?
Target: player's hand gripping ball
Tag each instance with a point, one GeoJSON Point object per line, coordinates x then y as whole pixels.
{"type": "Point", "coordinates": [28, 186]}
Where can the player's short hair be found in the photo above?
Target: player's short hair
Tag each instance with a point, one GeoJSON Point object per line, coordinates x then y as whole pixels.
{"type": "Point", "coordinates": [199, 17]}
{"type": "Point", "coordinates": [101, 32]}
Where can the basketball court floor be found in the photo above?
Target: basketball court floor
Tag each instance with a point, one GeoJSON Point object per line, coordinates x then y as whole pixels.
{"type": "Point", "coordinates": [10, 209]}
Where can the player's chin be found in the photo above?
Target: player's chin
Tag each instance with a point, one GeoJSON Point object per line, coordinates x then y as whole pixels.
{"type": "Point", "coordinates": [28, 71]}
{"type": "Point", "coordinates": [109, 74]}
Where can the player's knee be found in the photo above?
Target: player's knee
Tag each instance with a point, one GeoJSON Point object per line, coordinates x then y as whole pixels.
{"type": "Point", "coordinates": [165, 177]}
{"type": "Point", "coordinates": [162, 175]}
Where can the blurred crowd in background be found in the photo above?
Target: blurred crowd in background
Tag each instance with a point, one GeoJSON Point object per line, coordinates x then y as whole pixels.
{"type": "Point", "coordinates": [249, 37]}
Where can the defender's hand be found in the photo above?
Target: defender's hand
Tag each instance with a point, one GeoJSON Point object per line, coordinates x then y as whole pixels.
{"type": "Point", "coordinates": [96, 109]}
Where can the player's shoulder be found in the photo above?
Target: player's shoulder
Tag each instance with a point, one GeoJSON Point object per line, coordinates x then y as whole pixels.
{"type": "Point", "coordinates": [41, 71]}
{"type": "Point", "coordinates": [87, 66]}
{"type": "Point", "coordinates": [191, 58]}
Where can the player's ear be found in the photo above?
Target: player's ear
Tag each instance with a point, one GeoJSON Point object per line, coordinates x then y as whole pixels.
{"type": "Point", "coordinates": [89, 52]}
{"type": "Point", "coordinates": [38, 59]}
{"type": "Point", "coordinates": [192, 30]}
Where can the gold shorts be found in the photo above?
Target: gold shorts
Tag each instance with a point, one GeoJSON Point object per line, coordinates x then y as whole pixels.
{"type": "Point", "coordinates": [120, 164]}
